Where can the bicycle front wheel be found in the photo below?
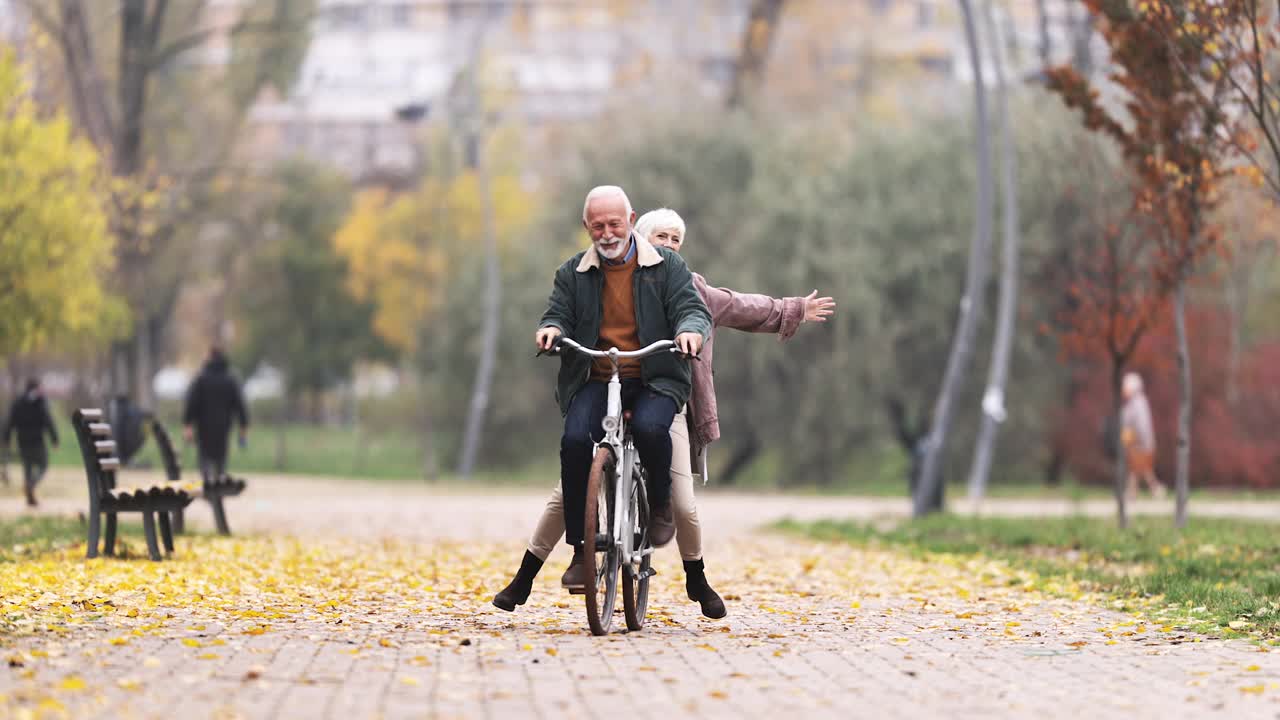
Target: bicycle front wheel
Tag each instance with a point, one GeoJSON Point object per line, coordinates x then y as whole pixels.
{"type": "Point", "coordinates": [601, 552]}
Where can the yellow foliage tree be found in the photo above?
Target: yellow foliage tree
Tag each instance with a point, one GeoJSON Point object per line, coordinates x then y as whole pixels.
{"type": "Point", "coordinates": [55, 245]}
{"type": "Point", "coordinates": [400, 250]}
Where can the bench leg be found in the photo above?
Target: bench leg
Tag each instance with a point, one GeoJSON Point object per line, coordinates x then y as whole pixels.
{"type": "Point", "coordinates": [149, 527]}
{"type": "Point", "coordinates": [179, 521]}
{"type": "Point", "coordinates": [219, 515]}
{"type": "Point", "coordinates": [91, 542]}
{"type": "Point", "coordinates": [166, 533]}
{"type": "Point", "coordinates": [109, 539]}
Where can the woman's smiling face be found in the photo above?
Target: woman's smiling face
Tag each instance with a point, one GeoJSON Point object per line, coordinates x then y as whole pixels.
{"type": "Point", "coordinates": [669, 238]}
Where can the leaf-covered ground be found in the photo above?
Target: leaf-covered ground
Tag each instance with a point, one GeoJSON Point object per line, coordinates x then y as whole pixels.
{"type": "Point", "coordinates": [269, 626]}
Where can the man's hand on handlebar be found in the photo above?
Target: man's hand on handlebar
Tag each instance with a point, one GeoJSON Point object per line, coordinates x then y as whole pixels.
{"type": "Point", "coordinates": [545, 338]}
{"type": "Point", "coordinates": [689, 344]}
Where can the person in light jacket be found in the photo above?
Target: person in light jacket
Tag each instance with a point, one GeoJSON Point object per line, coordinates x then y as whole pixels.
{"type": "Point", "coordinates": [1138, 437]}
{"type": "Point", "coordinates": [691, 431]}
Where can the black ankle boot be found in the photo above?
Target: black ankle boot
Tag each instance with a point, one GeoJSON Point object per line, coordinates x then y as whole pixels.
{"type": "Point", "coordinates": [695, 583]}
{"type": "Point", "coordinates": [517, 592]}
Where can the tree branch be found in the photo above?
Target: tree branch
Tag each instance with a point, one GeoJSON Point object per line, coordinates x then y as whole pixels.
{"type": "Point", "coordinates": [190, 41]}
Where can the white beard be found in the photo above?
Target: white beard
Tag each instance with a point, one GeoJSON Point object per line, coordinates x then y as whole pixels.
{"type": "Point", "coordinates": [615, 252]}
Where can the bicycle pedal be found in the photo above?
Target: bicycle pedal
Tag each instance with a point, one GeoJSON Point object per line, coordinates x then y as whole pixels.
{"type": "Point", "coordinates": [603, 541]}
{"type": "Point", "coordinates": [647, 573]}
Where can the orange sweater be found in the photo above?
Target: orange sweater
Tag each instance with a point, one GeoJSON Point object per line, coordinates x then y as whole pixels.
{"type": "Point", "coordinates": [618, 325]}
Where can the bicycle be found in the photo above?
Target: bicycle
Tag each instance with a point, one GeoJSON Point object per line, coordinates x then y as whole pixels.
{"type": "Point", "coordinates": [615, 534]}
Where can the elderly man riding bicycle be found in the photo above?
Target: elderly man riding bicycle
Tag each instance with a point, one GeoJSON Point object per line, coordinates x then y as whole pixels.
{"type": "Point", "coordinates": [740, 311]}
{"type": "Point", "coordinates": [624, 293]}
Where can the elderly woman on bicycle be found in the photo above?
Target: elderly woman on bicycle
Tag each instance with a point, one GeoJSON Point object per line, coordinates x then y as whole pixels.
{"type": "Point", "coordinates": [689, 436]}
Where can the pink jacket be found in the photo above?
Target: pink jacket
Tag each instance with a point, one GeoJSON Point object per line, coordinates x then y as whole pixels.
{"type": "Point", "coordinates": [740, 311]}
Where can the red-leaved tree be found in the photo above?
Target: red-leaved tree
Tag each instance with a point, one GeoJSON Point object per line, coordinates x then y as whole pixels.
{"type": "Point", "coordinates": [1176, 147]}
{"type": "Point", "coordinates": [1237, 443]}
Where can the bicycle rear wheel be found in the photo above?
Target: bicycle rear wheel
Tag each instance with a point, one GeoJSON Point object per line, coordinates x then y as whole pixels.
{"type": "Point", "coordinates": [601, 561]}
{"type": "Point", "coordinates": [635, 582]}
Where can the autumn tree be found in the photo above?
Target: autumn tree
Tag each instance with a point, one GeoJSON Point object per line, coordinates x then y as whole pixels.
{"type": "Point", "coordinates": [55, 243]}
{"type": "Point", "coordinates": [405, 252]}
{"type": "Point", "coordinates": [1228, 51]}
{"type": "Point", "coordinates": [1176, 147]}
{"type": "Point", "coordinates": [296, 311]}
{"type": "Point", "coordinates": [124, 70]}
{"type": "Point", "coordinates": [753, 52]}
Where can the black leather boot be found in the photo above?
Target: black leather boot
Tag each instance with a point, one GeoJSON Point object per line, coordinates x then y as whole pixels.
{"type": "Point", "coordinates": [575, 578]}
{"type": "Point", "coordinates": [700, 591]}
{"type": "Point", "coordinates": [517, 592]}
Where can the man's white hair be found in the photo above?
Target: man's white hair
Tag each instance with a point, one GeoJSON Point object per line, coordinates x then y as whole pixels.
{"type": "Point", "coordinates": [1132, 383]}
{"type": "Point", "coordinates": [605, 191]}
{"type": "Point", "coordinates": [660, 219]}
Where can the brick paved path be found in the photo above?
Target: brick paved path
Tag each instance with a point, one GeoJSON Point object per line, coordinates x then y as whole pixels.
{"type": "Point", "coordinates": [814, 630]}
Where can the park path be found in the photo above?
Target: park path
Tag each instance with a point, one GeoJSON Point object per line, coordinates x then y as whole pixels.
{"type": "Point", "coordinates": [815, 629]}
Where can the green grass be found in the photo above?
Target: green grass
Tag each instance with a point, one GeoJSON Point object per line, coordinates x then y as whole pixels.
{"type": "Point", "coordinates": [308, 450]}
{"type": "Point", "coordinates": [1218, 571]}
{"type": "Point", "coordinates": [25, 536]}
{"type": "Point", "coordinates": [31, 536]}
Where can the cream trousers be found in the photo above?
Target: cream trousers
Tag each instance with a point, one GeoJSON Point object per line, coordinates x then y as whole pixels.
{"type": "Point", "coordinates": [688, 534]}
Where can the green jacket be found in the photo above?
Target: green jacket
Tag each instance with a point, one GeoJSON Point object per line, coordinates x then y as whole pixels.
{"type": "Point", "coordinates": [667, 304]}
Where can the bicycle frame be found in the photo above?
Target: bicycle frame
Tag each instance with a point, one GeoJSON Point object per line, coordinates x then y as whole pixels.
{"type": "Point", "coordinates": [618, 440]}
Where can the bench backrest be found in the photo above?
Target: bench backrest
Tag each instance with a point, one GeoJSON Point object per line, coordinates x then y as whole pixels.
{"type": "Point", "coordinates": [97, 449]}
{"type": "Point", "coordinates": [172, 470]}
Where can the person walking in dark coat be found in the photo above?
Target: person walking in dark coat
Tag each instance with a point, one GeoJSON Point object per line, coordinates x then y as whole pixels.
{"type": "Point", "coordinates": [214, 401]}
{"type": "Point", "coordinates": [29, 418]}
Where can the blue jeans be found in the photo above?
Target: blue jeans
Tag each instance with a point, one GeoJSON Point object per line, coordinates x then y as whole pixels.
{"type": "Point", "coordinates": [651, 416]}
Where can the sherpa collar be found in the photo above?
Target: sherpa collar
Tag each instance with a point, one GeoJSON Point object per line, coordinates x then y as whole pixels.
{"type": "Point", "coordinates": [646, 255]}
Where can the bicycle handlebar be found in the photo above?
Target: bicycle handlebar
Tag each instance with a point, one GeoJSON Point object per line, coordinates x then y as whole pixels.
{"type": "Point", "coordinates": [657, 347]}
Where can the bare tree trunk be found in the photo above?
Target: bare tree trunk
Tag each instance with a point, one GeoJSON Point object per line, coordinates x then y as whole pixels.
{"type": "Point", "coordinates": [1045, 48]}
{"type": "Point", "coordinates": [1183, 477]}
{"type": "Point", "coordinates": [1121, 470]}
{"type": "Point", "coordinates": [975, 283]}
{"type": "Point", "coordinates": [492, 323]}
{"type": "Point", "coordinates": [757, 38]}
{"type": "Point", "coordinates": [746, 449]}
{"type": "Point", "coordinates": [143, 373]}
{"type": "Point", "coordinates": [993, 409]}
{"type": "Point", "coordinates": [430, 463]}
{"type": "Point", "coordinates": [1082, 39]}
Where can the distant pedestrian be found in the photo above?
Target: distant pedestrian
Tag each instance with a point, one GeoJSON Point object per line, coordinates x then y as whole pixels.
{"type": "Point", "coordinates": [29, 418]}
{"type": "Point", "coordinates": [1138, 437]}
{"type": "Point", "coordinates": [214, 402]}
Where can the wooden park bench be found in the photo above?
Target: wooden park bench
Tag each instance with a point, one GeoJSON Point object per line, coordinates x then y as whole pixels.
{"type": "Point", "coordinates": [101, 463]}
{"type": "Point", "coordinates": [213, 490]}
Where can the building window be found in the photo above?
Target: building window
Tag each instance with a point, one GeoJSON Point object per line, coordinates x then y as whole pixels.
{"type": "Point", "coordinates": [400, 15]}
{"type": "Point", "coordinates": [925, 13]}
{"type": "Point", "coordinates": [349, 17]}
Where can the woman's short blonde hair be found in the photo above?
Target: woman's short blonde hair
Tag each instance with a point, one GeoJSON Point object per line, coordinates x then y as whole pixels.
{"type": "Point", "coordinates": [660, 219]}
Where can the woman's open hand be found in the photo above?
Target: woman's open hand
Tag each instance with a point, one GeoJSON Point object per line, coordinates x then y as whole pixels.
{"type": "Point", "coordinates": [818, 309]}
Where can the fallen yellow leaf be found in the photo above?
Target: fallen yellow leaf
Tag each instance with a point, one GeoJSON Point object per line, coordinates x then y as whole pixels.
{"type": "Point", "coordinates": [72, 683]}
